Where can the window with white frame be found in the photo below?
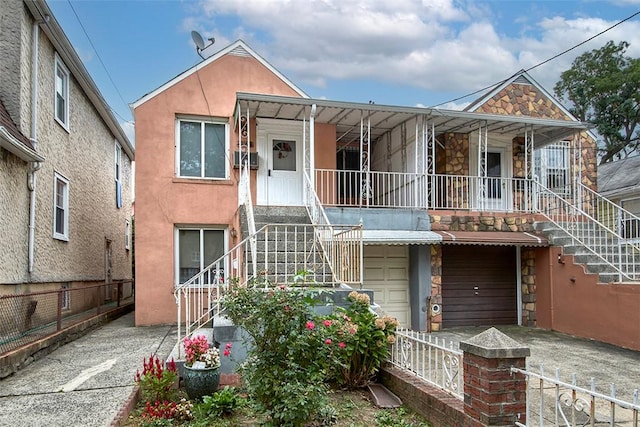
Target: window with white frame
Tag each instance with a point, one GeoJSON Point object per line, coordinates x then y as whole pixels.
{"type": "Point", "coordinates": [118, 173]}
{"type": "Point", "coordinates": [552, 167]}
{"type": "Point", "coordinates": [60, 207]}
{"type": "Point", "coordinates": [127, 235]}
{"type": "Point", "coordinates": [197, 248]}
{"type": "Point", "coordinates": [62, 93]}
{"type": "Point", "coordinates": [66, 296]}
{"type": "Point", "coordinates": [201, 148]}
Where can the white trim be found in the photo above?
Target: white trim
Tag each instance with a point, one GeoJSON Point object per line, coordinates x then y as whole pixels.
{"type": "Point", "coordinates": [209, 60]}
{"type": "Point", "coordinates": [201, 229]}
{"type": "Point", "coordinates": [65, 206]}
{"type": "Point", "coordinates": [203, 121]}
{"type": "Point", "coordinates": [59, 65]}
{"type": "Point", "coordinates": [118, 162]}
{"type": "Point", "coordinates": [10, 143]}
{"type": "Point", "coordinates": [66, 296]}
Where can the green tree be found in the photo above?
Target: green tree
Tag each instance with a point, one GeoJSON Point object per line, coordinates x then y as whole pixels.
{"type": "Point", "coordinates": [603, 86]}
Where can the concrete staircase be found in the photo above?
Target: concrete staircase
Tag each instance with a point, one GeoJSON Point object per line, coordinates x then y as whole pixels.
{"type": "Point", "coordinates": [288, 246]}
{"type": "Point", "coordinates": [592, 263]}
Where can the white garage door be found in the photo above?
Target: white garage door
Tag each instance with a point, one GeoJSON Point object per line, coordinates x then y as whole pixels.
{"type": "Point", "coordinates": [386, 272]}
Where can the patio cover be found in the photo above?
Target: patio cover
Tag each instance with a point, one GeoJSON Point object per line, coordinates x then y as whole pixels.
{"type": "Point", "coordinates": [346, 116]}
{"type": "Point", "coordinates": [492, 238]}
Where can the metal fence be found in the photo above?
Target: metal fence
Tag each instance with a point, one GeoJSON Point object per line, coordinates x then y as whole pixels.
{"type": "Point", "coordinates": [25, 318]}
{"type": "Point", "coordinates": [430, 359]}
{"type": "Point", "coordinates": [553, 402]}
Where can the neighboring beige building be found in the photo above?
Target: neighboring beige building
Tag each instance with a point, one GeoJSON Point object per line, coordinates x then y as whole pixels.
{"type": "Point", "coordinates": [65, 162]}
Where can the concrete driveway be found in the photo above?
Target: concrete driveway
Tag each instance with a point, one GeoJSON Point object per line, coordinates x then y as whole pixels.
{"type": "Point", "coordinates": [606, 363]}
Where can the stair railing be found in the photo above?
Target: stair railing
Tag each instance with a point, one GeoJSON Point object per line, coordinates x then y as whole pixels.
{"type": "Point", "coordinates": [342, 247]}
{"type": "Point", "coordinates": [244, 199]}
{"type": "Point", "coordinates": [590, 224]}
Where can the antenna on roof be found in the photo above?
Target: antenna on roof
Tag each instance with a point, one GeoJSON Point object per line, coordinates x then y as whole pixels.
{"type": "Point", "coordinates": [199, 41]}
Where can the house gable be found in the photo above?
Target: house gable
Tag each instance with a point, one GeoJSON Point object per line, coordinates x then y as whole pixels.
{"type": "Point", "coordinates": [521, 95]}
{"type": "Point", "coordinates": [238, 49]}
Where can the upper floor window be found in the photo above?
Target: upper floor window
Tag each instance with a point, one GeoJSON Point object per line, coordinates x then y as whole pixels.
{"type": "Point", "coordinates": [118, 173]}
{"type": "Point", "coordinates": [201, 149]}
{"type": "Point", "coordinates": [60, 207]}
{"type": "Point", "coordinates": [552, 167]}
{"type": "Point", "coordinates": [62, 94]}
{"type": "Point", "coordinates": [118, 161]}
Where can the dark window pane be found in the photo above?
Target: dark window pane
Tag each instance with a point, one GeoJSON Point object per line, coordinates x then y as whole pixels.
{"type": "Point", "coordinates": [214, 154]}
{"type": "Point", "coordinates": [190, 149]}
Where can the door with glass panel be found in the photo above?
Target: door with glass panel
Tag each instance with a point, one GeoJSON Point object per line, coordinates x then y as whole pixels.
{"type": "Point", "coordinates": [284, 174]}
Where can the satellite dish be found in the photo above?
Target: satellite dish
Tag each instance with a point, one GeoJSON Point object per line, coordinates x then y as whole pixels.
{"type": "Point", "coordinates": [199, 41]}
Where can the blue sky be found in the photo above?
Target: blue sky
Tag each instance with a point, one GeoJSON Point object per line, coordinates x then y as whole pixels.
{"type": "Point", "coordinates": [401, 52]}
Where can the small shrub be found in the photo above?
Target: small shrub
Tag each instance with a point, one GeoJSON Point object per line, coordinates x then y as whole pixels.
{"type": "Point", "coordinates": [222, 403]}
{"type": "Point", "coordinates": [156, 381]}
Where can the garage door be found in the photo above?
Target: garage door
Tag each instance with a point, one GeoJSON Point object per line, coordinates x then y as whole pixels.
{"type": "Point", "coordinates": [386, 272]}
{"type": "Point", "coordinates": [479, 285]}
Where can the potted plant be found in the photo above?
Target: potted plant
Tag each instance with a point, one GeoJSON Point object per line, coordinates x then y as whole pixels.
{"type": "Point", "coordinates": [202, 367]}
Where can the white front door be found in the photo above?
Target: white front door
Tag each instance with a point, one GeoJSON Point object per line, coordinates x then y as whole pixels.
{"type": "Point", "coordinates": [495, 188]}
{"type": "Point", "coordinates": [283, 180]}
{"type": "Point", "coordinates": [493, 192]}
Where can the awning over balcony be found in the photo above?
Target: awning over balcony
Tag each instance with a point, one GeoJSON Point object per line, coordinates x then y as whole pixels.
{"type": "Point", "coordinates": [400, 237]}
{"type": "Point", "coordinates": [347, 116]}
{"type": "Point", "coordinates": [491, 238]}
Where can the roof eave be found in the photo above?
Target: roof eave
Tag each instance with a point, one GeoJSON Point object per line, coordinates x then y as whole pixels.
{"type": "Point", "coordinates": [61, 43]}
{"type": "Point", "coordinates": [11, 144]}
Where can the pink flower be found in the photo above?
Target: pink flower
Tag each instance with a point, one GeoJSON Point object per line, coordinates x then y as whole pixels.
{"type": "Point", "coordinates": [283, 287]}
{"type": "Point", "coordinates": [228, 346]}
{"type": "Point", "coordinates": [310, 325]}
{"type": "Point", "coordinates": [341, 345]}
{"type": "Point", "coordinates": [327, 323]}
{"type": "Point", "coordinates": [226, 352]}
{"type": "Point", "coordinates": [327, 341]}
{"type": "Point", "coordinates": [287, 308]}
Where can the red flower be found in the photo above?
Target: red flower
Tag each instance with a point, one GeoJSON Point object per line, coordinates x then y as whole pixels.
{"type": "Point", "coordinates": [287, 308]}
{"type": "Point", "coordinates": [310, 325]}
{"type": "Point", "coordinates": [327, 341]}
{"type": "Point", "coordinates": [327, 323]}
{"type": "Point", "coordinates": [342, 345]}
{"type": "Point", "coordinates": [226, 352]}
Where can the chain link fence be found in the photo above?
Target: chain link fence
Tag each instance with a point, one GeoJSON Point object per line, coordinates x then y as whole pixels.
{"type": "Point", "coordinates": [25, 318]}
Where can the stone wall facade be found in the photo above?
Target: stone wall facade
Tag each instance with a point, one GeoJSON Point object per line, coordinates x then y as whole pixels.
{"type": "Point", "coordinates": [518, 99]}
{"type": "Point", "coordinates": [481, 222]}
{"type": "Point", "coordinates": [528, 277]}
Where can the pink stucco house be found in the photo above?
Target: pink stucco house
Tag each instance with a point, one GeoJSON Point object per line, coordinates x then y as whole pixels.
{"type": "Point", "coordinates": [479, 217]}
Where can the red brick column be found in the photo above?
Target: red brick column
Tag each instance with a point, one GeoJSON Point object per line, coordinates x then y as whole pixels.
{"type": "Point", "coordinates": [493, 396]}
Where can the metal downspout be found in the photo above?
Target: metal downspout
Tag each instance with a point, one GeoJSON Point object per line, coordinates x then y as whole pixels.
{"type": "Point", "coordinates": [34, 166]}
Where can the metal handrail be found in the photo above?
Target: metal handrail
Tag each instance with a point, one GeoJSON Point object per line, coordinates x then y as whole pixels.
{"type": "Point", "coordinates": [584, 227]}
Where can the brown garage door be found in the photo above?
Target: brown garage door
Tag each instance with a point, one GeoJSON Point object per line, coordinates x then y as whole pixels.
{"type": "Point", "coordinates": [479, 285]}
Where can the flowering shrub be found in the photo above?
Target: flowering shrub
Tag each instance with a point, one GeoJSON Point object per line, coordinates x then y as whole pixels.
{"type": "Point", "coordinates": [287, 364]}
{"type": "Point", "coordinates": [365, 339]}
{"type": "Point", "coordinates": [197, 349]}
{"type": "Point", "coordinates": [156, 381]}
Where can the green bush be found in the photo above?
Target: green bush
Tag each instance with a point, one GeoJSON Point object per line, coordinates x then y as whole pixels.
{"type": "Point", "coordinates": [286, 368]}
{"type": "Point", "coordinates": [222, 403]}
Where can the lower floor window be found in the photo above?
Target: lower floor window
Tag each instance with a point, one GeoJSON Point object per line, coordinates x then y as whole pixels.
{"type": "Point", "coordinates": [197, 248]}
{"type": "Point", "coordinates": [66, 296]}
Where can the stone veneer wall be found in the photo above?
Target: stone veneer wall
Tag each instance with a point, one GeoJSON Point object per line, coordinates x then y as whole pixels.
{"type": "Point", "coordinates": [485, 223]}
{"type": "Point", "coordinates": [528, 272]}
{"type": "Point", "coordinates": [519, 99]}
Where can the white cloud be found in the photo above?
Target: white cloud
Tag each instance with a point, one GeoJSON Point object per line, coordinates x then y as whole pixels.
{"type": "Point", "coordinates": [129, 130]}
{"type": "Point", "coordinates": [428, 44]}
